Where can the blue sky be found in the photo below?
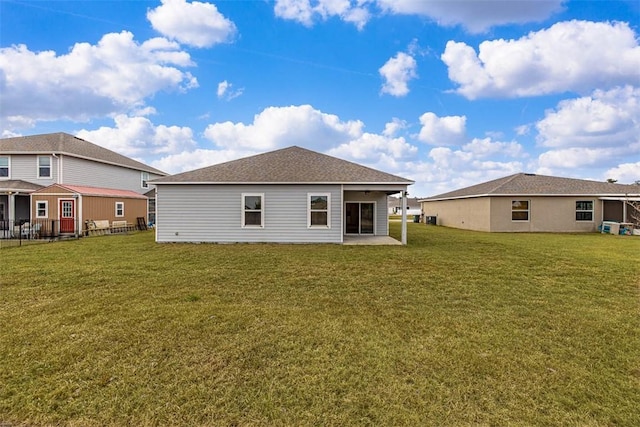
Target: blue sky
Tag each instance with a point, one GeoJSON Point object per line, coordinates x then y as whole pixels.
{"type": "Point", "coordinates": [447, 93]}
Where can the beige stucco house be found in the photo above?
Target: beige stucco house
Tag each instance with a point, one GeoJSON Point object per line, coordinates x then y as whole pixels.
{"type": "Point", "coordinates": [533, 203]}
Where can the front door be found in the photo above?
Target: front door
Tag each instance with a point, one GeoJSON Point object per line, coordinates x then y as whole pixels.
{"type": "Point", "coordinates": [359, 218]}
{"type": "Point", "coordinates": [4, 225]}
{"type": "Point", "coordinates": [67, 216]}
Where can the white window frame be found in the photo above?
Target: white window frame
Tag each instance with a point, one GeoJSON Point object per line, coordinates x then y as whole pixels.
{"type": "Point", "coordinates": [528, 210]}
{"type": "Point", "coordinates": [121, 204]}
{"type": "Point", "coordinates": [309, 210]}
{"type": "Point", "coordinates": [8, 167]}
{"type": "Point", "coordinates": [243, 210]}
{"type": "Point", "coordinates": [39, 166]}
{"type": "Point", "coordinates": [144, 179]}
{"type": "Point", "coordinates": [592, 210]}
{"type": "Point", "coordinates": [46, 208]}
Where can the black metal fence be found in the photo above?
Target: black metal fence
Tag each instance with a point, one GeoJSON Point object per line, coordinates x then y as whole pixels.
{"type": "Point", "coordinates": [37, 229]}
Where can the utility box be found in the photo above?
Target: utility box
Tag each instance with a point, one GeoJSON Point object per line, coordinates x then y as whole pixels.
{"type": "Point", "coordinates": [611, 227]}
{"type": "Point", "coordinates": [432, 220]}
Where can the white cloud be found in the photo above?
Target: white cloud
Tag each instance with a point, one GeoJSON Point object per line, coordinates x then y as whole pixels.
{"type": "Point", "coordinates": [625, 173]}
{"type": "Point", "coordinates": [225, 91]}
{"type": "Point", "coordinates": [588, 135]}
{"type": "Point", "coordinates": [376, 151]}
{"type": "Point", "coordinates": [115, 75]}
{"type": "Point", "coordinates": [572, 158]}
{"type": "Point", "coordinates": [485, 147]}
{"type": "Point", "coordinates": [449, 130]}
{"type": "Point", "coordinates": [284, 126]}
{"type": "Point", "coordinates": [196, 159]}
{"type": "Point", "coordinates": [138, 137]}
{"type": "Point", "coordinates": [604, 119]}
{"type": "Point", "coordinates": [306, 11]}
{"type": "Point", "coordinates": [397, 72]}
{"type": "Point", "coordinates": [196, 24]}
{"type": "Point", "coordinates": [446, 169]}
{"type": "Point", "coordinates": [475, 15]}
{"type": "Point", "coordinates": [393, 127]}
{"type": "Point", "coordinates": [574, 56]}
{"type": "Point", "coordinates": [222, 88]}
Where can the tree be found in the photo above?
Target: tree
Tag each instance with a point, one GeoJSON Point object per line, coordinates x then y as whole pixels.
{"type": "Point", "coordinates": [611, 180]}
{"type": "Point", "coordinates": [634, 212]}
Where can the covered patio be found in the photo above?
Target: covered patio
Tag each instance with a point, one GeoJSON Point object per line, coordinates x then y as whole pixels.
{"type": "Point", "coordinates": [351, 240]}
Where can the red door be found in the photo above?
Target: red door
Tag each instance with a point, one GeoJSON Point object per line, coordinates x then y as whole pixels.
{"type": "Point", "coordinates": [67, 216]}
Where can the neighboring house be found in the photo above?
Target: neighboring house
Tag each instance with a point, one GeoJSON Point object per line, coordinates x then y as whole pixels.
{"type": "Point", "coordinates": [74, 206]}
{"type": "Point", "coordinates": [291, 195]}
{"type": "Point", "coordinates": [533, 203]}
{"type": "Point", "coordinates": [32, 162]}
{"type": "Point", "coordinates": [395, 206]}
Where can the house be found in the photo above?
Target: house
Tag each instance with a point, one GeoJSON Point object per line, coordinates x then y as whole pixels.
{"type": "Point", "coordinates": [292, 195]}
{"type": "Point", "coordinates": [32, 162]}
{"type": "Point", "coordinates": [69, 209]}
{"type": "Point", "coordinates": [533, 203]}
{"type": "Point", "coordinates": [412, 208]}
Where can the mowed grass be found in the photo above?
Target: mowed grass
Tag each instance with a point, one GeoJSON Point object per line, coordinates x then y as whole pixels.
{"type": "Point", "coordinates": [457, 328]}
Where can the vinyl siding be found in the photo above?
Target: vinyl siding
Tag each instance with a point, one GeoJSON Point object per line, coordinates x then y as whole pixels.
{"type": "Point", "coordinates": [213, 213]}
{"type": "Point", "coordinates": [87, 172]}
{"type": "Point", "coordinates": [25, 168]}
{"type": "Point", "coordinates": [79, 172]}
{"type": "Point", "coordinates": [381, 211]}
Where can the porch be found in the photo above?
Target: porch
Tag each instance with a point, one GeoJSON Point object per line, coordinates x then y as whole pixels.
{"type": "Point", "coordinates": [365, 240]}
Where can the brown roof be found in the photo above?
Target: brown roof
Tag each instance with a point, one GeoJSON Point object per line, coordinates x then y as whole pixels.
{"type": "Point", "coordinates": [86, 190]}
{"type": "Point", "coordinates": [63, 143]}
{"type": "Point", "coordinates": [539, 185]}
{"type": "Point", "coordinates": [18, 185]}
{"type": "Point", "coordinates": [293, 165]}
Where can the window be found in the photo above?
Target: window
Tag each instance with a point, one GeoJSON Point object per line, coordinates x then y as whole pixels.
{"type": "Point", "coordinates": [44, 167]}
{"type": "Point", "coordinates": [252, 210]}
{"type": "Point", "coordinates": [119, 208]}
{"type": "Point", "coordinates": [42, 209]}
{"type": "Point", "coordinates": [151, 209]}
{"type": "Point", "coordinates": [318, 213]}
{"type": "Point", "coordinates": [144, 177]}
{"type": "Point", "coordinates": [4, 167]}
{"type": "Point", "coordinates": [520, 210]}
{"type": "Point", "coordinates": [584, 210]}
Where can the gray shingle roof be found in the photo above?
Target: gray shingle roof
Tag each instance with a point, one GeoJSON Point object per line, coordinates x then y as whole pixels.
{"type": "Point", "coordinates": [288, 165]}
{"type": "Point", "coordinates": [63, 143]}
{"type": "Point", "coordinates": [532, 185]}
{"type": "Point", "coordinates": [18, 185]}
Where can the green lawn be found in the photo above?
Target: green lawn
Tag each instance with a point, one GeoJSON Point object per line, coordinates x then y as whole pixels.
{"type": "Point", "coordinates": [457, 328]}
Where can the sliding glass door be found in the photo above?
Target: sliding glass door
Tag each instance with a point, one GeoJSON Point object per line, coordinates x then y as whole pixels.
{"type": "Point", "coordinates": [359, 218]}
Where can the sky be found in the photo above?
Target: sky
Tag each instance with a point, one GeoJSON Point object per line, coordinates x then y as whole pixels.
{"type": "Point", "coordinates": [445, 93]}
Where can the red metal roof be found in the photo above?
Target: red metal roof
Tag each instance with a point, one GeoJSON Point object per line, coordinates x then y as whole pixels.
{"type": "Point", "coordinates": [85, 190]}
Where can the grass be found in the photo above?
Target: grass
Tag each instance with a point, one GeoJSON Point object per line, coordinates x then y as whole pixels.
{"type": "Point", "coordinates": [457, 328]}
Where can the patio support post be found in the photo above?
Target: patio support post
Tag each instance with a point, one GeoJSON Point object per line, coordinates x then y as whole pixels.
{"type": "Point", "coordinates": [404, 218]}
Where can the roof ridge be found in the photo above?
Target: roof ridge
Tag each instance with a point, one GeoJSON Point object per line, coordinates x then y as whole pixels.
{"type": "Point", "coordinates": [505, 180]}
{"type": "Point", "coordinates": [291, 164]}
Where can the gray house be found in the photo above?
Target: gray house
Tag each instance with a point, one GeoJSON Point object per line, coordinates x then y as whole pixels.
{"type": "Point", "coordinates": [292, 195]}
{"type": "Point", "coordinates": [534, 203]}
{"type": "Point", "coordinates": [29, 163]}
